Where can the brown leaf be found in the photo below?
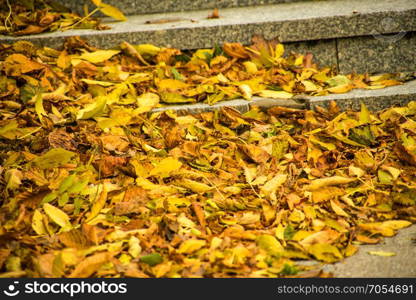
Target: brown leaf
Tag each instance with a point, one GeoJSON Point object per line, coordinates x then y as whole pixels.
{"type": "Point", "coordinates": [255, 153]}
{"type": "Point", "coordinates": [61, 139]}
{"type": "Point", "coordinates": [90, 265]}
{"type": "Point", "coordinates": [235, 50]}
{"type": "Point", "coordinates": [215, 14]}
{"type": "Point", "coordinates": [31, 29]}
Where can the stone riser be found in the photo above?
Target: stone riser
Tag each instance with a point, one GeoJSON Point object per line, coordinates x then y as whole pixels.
{"type": "Point", "coordinates": [375, 100]}
{"type": "Point", "coordinates": [363, 36]}
{"type": "Point", "coordinates": [139, 7]}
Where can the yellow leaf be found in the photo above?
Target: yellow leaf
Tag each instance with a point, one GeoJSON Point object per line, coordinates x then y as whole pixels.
{"type": "Point", "coordinates": [40, 111]}
{"type": "Point", "coordinates": [271, 186]}
{"type": "Point", "coordinates": [175, 98]}
{"type": "Point", "coordinates": [386, 228]}
{"type": "Point", "coordinates": [98, 56]}
{"type": "Point", "coordinates": [98, 204]}
{"type": "Point", "coordinates": [93, 109]}
{"type": "Point", "coordinates": [326, 193]}
{"type": "Point", "coordinates": [147, 49]}
{"type": "Point", "coordinates": [350, 250]}
{"type": "Point", "coordinates": [37, 223]}
{"type": "Point", "coordinates": [338, 80]}
{"type": "Point", "coordinates": [364, 114]}
{"type": "Point", "coordinates": [58, 216]}
{"type": "Point", "coordinates": [270, 244]}
{"type": "Point", "coordinates": [355, 171]}
{"type": "Point", "coordinates": [279, 51]}
{"type": "Point", "coordinates": [171, 85]}
{"type": "Point", "coordinates": [146, 102]}
{"type": "Point", "coordinates": [251, 67]}
{"type": "Point", "coordinates": [246, 91]}
{"type": "Point", "coordinates": [97, 82]}
{"type": "Point", "coordinates": [112, 12]}
{"type": "Point", "coordinates": [275, 94]}
{"type": "Point", "coordinates": [325, 252]}
{"type": "Point", "coordinates": [321, 237]}
{"type": "Point", "coordinates": [341, 89]}
{"type": "Point", "coordinates": [334, 180]}
{"type": "Point", "coordinates": [338, 210]}
{"type": "Point", "coordinates": [89, 265]}
{"type": "Point", "coordinates": [13, 178]}
{"type": "Point", "coordinates": [397, 224]}
{"type": "Point", "coordinates": [96, 2]}
{"type": "Point", "coordinates": [393, 171]}
{"type": "Point", "coordinates": [382, 253]}
{"type": "Point", "coordinates": [190, 246]}
{"type": "Point", "coordinates": [309, 86]}
{"type": "Point", "coordinates": [134, 247]}
{"type": "Point", "coordinates": [165, 167]}
{"type": "Point", "coordinates": [195, 186]}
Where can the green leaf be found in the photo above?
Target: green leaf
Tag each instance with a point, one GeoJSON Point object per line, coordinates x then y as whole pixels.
{"type": "Point", "coordinates": [50, 197]}
{"type": "Point", "coordinates": [66, 183]}
{"type": "Point", "coordinates": [152, 259]}
{"type": "Point", "coordinates": [53, 158]}
{"type": "Point", "coordinates": [289, 232]}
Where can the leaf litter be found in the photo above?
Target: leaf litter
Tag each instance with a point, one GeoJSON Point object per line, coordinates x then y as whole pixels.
{"type": "Point", "coordinates": [28, 17]}
{"type": "Point", "coordinates": [93, 183]}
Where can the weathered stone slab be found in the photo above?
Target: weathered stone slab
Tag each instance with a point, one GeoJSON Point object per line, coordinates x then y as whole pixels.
{"type": "Point", "coordinates": [139, 7]}
{"type": "Point", "coordinates": [324, 51]}
{"type": "Point", "coordinates": [403, 264]}
{"type": "Point", "coordinates": [378, 53]}
{"type": "Point", "coordinates": [196, 108]}
{"type": "Point", "coordinates": [373, 99]}
{"type": "Point", "coordinates": [291, 22]}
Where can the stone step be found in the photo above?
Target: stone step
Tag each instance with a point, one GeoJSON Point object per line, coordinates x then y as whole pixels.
{"type": "Point", "coordinates": [375, 100]}
{"type": "Point", "coordinates": [363, 36]}
{"type": "Point", "coordinates": [139, 7]}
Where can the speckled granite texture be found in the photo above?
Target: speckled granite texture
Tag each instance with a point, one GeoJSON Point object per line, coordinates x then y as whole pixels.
{"type": "Point", "coordinates": [379, 53]}
{"type": "Point", "coordinates": [138, 7]}
{"type": "Point", "coordinates": [402, 264]}
{"type": "Point", "coordinates": [374, 99]}
{"type": "Point", "coordinates": [324, 51]}
{"type": "Point", "coordinates": [291, 22]}
{"type": "Point", "coordinates": [354, 35]}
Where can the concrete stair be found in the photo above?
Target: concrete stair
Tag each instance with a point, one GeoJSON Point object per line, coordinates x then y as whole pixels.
{"type": "Point", "coordinates": [374, 36]}
{"type": "Point", "coordinates": [363, 36]}
{"type": "Point", "coordinates": [139, 7]}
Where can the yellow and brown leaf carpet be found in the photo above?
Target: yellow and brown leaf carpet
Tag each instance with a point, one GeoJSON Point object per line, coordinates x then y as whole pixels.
{"type": "Point", "coordinates": [94, 184]}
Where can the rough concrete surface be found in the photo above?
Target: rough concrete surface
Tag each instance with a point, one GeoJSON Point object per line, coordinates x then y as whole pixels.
{"type": "Point", "coordinates": [374, 99]}
{"type": "Point", "coordinates": [291, 22]}
{"type": "Point", "coordinates": [363, 264]}
{"type": "Point", "coordinates": [382, 53]}
{"type": "Point", "coordinates": [139, 7]}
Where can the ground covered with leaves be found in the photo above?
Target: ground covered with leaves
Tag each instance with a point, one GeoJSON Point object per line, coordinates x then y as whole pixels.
{"type": "Point", "coordinates": [94, 184]}
{"type": "Point", "coordinates": [28, 17]}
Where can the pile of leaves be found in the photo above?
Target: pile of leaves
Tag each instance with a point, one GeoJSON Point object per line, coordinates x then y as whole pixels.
{"type": "Point", "coordinates": [86, 81]}
{"type": "Point", "coordinates": [27, 17]}
{"type": "Point", "coordinates": [93, 183]}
